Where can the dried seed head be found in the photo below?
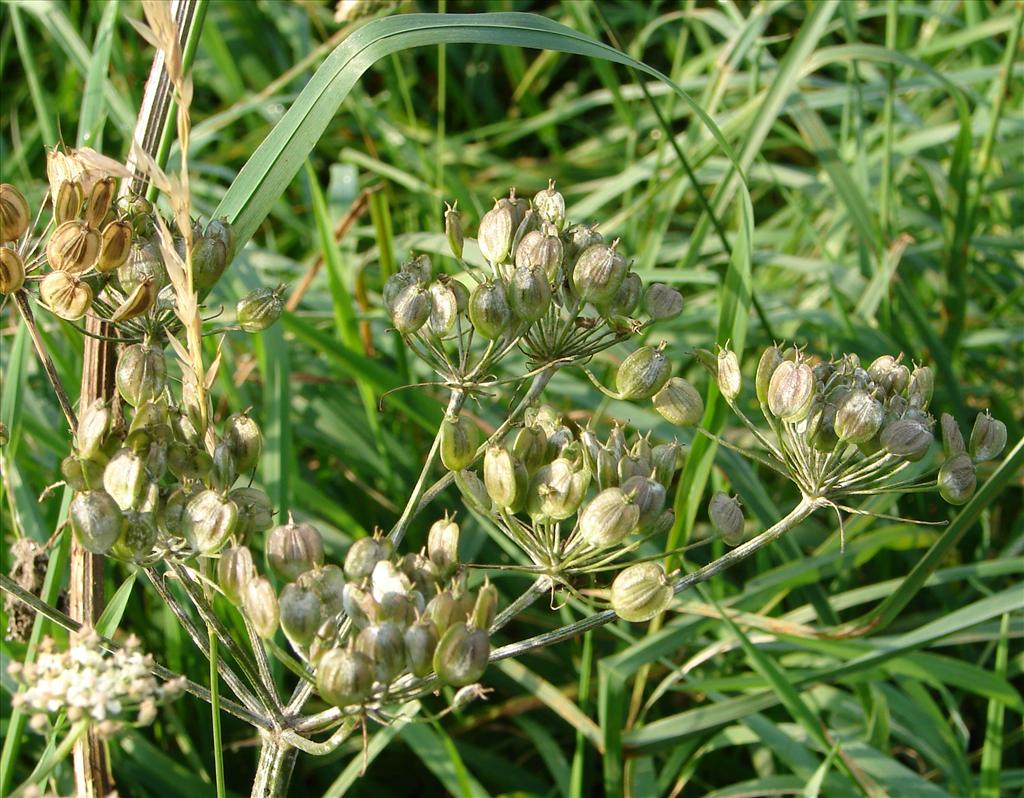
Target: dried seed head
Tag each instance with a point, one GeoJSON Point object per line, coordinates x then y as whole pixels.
{"type": "Point", "coordinates": [137, 303]}
{"type": "Point", "coordinates": [640, 592]}
{"type": "Point", "coordinates": [662, 301]}
{"type": "Point", "coordinates": [74, 247]}
{"type": "Point", "coordinates": [489, 310]}
{"type": "Point", "coordinates": [96, 520]}
{"type": "Point", "coordinates": [529, 293]}
{"type": "Point", "coordinates": [599, 272]}
{"type": "Point", "coordinates": [209, 521]}
{"type": "Point", "coordinates": [68, 202]}
{"type": "Point", "coordinates": [726, 516]}
{"type": "Point", "coordinates": [952, 439]}
{"type": "Point", "coordinates": [505, 477]}
{"type": "Point", "coordinates": [301, 611]}
{"type": "Point", "coordinates": [957, 479]}
{"type": "Point", "coordinates": [15, 216]}
{"type": "Point", "coordinates": [260, 308]}
{"type": "Point", "coordinates": [550, 205]}
{"type": "Point", "coordinates": [770, 360]}
{"type": "Point", "coordinates": [259, 603]}
{"type": "Point", "coordinates": [909, 438]}
{"type": "Point", "coordinates": [495, 233]}
{"type": "Point", "coordinates": [859, 416]}
{"type": "Point", "coordinates": [141, 374]}
{"type": "Point", "coordinates": [293, 549]}
{"type": "Point", "coordinates": [679, 403]}
{"type": "Point", "coordinates": [459, 439]}
{"type": "Point", "coordinates": [235, 570]}
{"type": "Point", "coordinates": [609, 517]}
{"type": "Point", "coordinates": [643, 373]}
{"type": "Point", "coordinates": [728, 373]}
{"type": "Point", "coordinates": [65, 295]}
{"type": "Point", "coordinates": [453, 229]}
{"type": "Point", "coordinates": [12, 271]}
{"type": "Point", "coordinates": [988, 438]}
{"type": "Point", "coordinates": [790, 389]}
{"type": "Point", "coordinates": [344, 678]}
{"type": "Point", "coordinates": [461, 655]}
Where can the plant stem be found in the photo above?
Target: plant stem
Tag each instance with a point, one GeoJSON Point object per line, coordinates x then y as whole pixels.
{"type": "Point", "coordinates": [46, 765]}
{"type": "Point", "coordinates": [274, 768]}
{"type": "Point", "coordinates": [218, 746]}
{"type": "Point", "coordinates": [21, 300]}
{"type": "Point", "coordinates": [795, 516]}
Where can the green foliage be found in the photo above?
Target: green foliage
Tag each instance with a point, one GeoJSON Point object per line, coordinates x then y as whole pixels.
{"type": "Point", "coordinates": [859, 190]}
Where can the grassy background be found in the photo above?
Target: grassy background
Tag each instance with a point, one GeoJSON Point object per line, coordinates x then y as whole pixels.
{"type": "Point", "coordinates": [885, 172]}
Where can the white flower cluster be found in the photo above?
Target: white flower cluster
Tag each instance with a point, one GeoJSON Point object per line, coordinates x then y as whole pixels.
{"type": "Point", "coordinates": [91, 684]}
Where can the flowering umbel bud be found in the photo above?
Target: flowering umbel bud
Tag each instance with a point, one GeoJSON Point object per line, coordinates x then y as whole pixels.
{"type": "Point", "coordinates": [988, 438]}
{"type": "Point", "coordinates": [259, 603]}
{"type": "Point", "coordinates": [96, 520]}
{"type": "Point", "coordinates": [15, 216]}
{"type": "Point", "coordinates": [679, 403]}
{"type": "Point", "coordinates": [643, 373]}
{"type": "Point", "coordinates": [453, 229]}
{"type": "Point", "coordinates": [640, 592]}
{"type": "Point", "coordinates": [12, 271]}
{"type": "Point", "coordinates": [293, 549]}
{"type": "Point", "coordinates": [344, 678]}
{"type": "Point", "coordinates": [957, 479]}
{"type": "Point", "coordinates": [459, 437]}
{"type": "Point", "coordinates": [727, 517]}
{"type": "Point", "coordinates": [260, 308]}
{"type": "Point", "coordinates": [495, 233]}
{"type": "Point", "coordinates": [790, 389]}
{"type": "Point", "coordinates": [728, 374]}
{"type": "Point", "coordinates": [489, 310]}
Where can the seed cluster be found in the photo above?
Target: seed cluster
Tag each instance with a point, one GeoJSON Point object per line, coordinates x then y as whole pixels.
{"type": "Point", "coordinates": [553, 289]}
{"type": "Point", "coordinates": [106, 689]}
{"type": "Point", "coordinates": [410, 615]}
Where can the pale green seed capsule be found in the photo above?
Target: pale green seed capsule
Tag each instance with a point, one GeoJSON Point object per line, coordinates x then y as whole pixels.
{"type": "Point", "coordinates": [529, 294]}
{"type": "Point", "coordinates": [93, 426]}
{"type": "Point", "coordinates": [411, 309]}
{"type": "Point", "coordinates": [444, 308]}
{"type": "Point", "coordinates": [443, 610]}
{"type": "Point", "coordinates": [144, 264]}
{"type": "Point", "coordinates": [489, 310]}
{"type": "Point", "coordinates": [626, 298]}
{"type": "Point", "coordinates": [421, 641]}
{"type": "Point", "coordinates": [96, 520]}
{"type": "Point", "coordinates": [667, 458]}
{"type": "Point", "coordinates": [395, 285]}
{"type": "Point", "coordinates": [124, 477]}
{"type": "Point", "coordinates": [209, 260]}
{"type": "Point", "coordinates": [186, 461]}
{"type": "Point", "coordinates": [473, 490]}
{"type": "Point", "coordinates": [301, 613]}
{"type": "Point", "coordinates": [640, 592]}
{"type": "Point", "coordinates": [495, 233]}
{"type": "Point", "coordinates": [728, 374]}
{"type": "Point", "coordinates": [505, 477]}
{"type": "Point", "coordinates": [137, 538]}
{"type": "Point", "coordinates": [82, 473]}
{"type": "Point", "coordinates": [643, 373]}
{"type": "Point", "coordinates": [255, 511]}
{"type": "Point", "coordinates": [909, 438]}
{"type": "Point", "coordinates": [141, 374]}
{"type": "Point", "coordinates": [443, 545]}
{"type": "Point", "coordinates": [726, 516]}
{"type": "Point", "coordinates": [361, 608]}
{"type": "Point", "coordinates": [550, 205]}
{"type": "Point", "coordinates": [293, 549]}
{"type": "Point", "coordinates": [259, 603]}
{"type": "Point", "coordinates": [209, 521]}
{"type": "Point", "coordinates": [531, 447]}
{"type": "Point", "coordinates": [921, 388]}
{"type": "Point", "coordinates": [383, 644]}
{"type": "Point", "coordinates": [599, 272]}
{"type": "Point", "coordinates": [649, 497]}
{"type": "Point", "coordinates": [328, 582]}
{"type": "Point", "coordinates": [770, 360]}
{"type": "Point", "coordinates": [957, 479]}
{"type": "Point", "coordinates": [790, 390]}
{"type": "Point", "coordinates": [557, 490]}
{"type": "Point", "coordinates": [609, 518]}
{"type": "Point", "coordinates": [988, 438]}
{"type": "Point", "coordinates": [363, 555]}
{"type": "Point", "coordinates": [235, 570]}
{"type": "Point", "coordinates": [344, 678]}
{"type": "Point", "coordinates": [952, 439]}
{"type": "Point", "coordinates": [453, 229]}
{"type": "Point", "coordinates": [461, 655]}
{"type": "Point", "coordinates": [260, 308]}
{"type": "Point", "coordinates": [577, 238]}
{"type": "Point", "coordinates": [858, 417]}
{"type": "Point", "coordinates": [679, 403]}
{"type": "Point", "coordinates": [486, 605]}
{"type": "Point", "coordinates": [662, 302]}
{"type": "Point", "coordinates": [459, 440]}
{"type": "Point", "coordinates": [244, 440]}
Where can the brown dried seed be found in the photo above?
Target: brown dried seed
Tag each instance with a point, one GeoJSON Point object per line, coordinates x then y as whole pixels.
{"type": "Point", "coordinates": [100, 199]}
{"type": "Point", "coordinates": [12, 271]}
{"type": "Point", "coordinates": [14, 213]}
{"type": "Point", "coordinates": [115, 244]}
{"type": "Point", "coordinates": [68, 202]}
{"type": "Point", "coordinates": [65, 295]}
{"type": "Point", "coordinates": [74, 247]}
